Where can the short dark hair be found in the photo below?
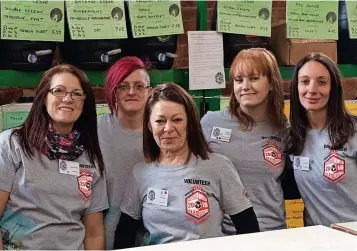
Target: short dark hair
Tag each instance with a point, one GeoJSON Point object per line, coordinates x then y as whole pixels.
{"type": "Point", "coordinates": [33, 131]}
{"type": "Point", "coordinates": [196, 141]}
{"type": "Point", "coordinates": [339, 122]}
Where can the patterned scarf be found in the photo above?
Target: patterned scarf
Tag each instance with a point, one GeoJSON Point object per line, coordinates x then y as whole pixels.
{"type": "Point", "coordinates": [62, 146]}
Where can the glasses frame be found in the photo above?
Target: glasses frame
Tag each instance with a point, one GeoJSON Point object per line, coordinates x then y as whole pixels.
{"type": "Point", "coordinates": [129, 86]}
{"type": "Point", "coordinates": [71, 94]}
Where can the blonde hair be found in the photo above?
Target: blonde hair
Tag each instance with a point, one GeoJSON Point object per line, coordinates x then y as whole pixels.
{"type": "Point", "coordinates": [258, 61]}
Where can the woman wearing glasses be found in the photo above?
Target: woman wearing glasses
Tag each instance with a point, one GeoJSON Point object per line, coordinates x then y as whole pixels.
{"type": "Point", "coordinates": [52, 189]}
{"type": "Point", "coordinates": [127, 88]}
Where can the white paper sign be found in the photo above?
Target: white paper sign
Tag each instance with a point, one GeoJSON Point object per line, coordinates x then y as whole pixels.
{"type": "Point", "coordinates": [206, 67]}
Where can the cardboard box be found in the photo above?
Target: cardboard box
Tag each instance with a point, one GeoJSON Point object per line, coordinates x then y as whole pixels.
{"type": "Point", "coordinates": [289, 51]}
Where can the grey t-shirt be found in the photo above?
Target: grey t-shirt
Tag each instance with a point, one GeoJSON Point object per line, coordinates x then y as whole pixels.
{"type": "Point", "coordinates": [121, 150]}
{"type": "Point", "coordinates": [328, 185]}
{"type": "Point", "coordinates": [258, 157]}
{"type": "Point", "coordinates": [198, 194]}
{"type": "Point", "coordinates": [46, 208]}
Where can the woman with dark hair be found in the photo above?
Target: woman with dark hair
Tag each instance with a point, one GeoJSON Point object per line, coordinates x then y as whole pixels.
{"type": "Point", "coordinates": [252, 132]}
{"type": "Point", "coordinates": [127, 87]}
{"type": "Point", "coordinates": [323, 142]}
{"type": "Point", "coordinates": [52, 189]}
{"type": "Point", "coordinates": [182, 190]}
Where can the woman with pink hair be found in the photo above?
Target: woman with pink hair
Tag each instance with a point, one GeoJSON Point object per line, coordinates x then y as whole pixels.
{"type": "Point", "coordinates": [127, 87]}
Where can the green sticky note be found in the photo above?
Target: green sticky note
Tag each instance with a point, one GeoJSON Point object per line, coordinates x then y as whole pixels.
{"type": "Point", "coordinates": [155, 18]}
{"type": "Point", "coordinates": [244, 17]}
{"type": "Point", "coordinates": [14, 118]}
{"type": "Point", "coordinates": [101, 111]}
{"type": "Point", "coordinates": [351, 6]}
{"type": "Point", "coordinates": [312, 19]}
{"type": "Point", "coordinates": [224, 103]}
{"type": "Point", "coordinates": [96, 19]}
{"type": "Point", "coordinates": [36, 20]}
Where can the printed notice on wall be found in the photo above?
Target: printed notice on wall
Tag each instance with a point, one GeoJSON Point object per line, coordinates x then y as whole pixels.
{"type": "Point", "coordinates": [312, 19]}
{"type": "Point", "coordinates": [351, 6]}
{"type": "Point", "coordinates": [35, 20]}
{"type": "Point", "coordinates": [205, 50]}
{"type": "Point", "coordinates": [155, 18]}
{"type": "Point", "coordinates": [249, 17]}
{"type": "Point", "coordinates": [96, 19]}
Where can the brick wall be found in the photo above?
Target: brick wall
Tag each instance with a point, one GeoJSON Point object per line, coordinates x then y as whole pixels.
{"type": "Point", "coordinates": [278, 12]}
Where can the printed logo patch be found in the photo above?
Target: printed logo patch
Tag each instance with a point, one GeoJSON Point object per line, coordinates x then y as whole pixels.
{"type": "Point", "coordinates": [151, 195]}
{"type": "Point", "coordinates": [334, 167]}
{"type": "Point", "coordinates": [197, 205]}
{"type": "Point", "coordinates": [85, 184]}
{"type": "Point", "coordinates": [272, 155]}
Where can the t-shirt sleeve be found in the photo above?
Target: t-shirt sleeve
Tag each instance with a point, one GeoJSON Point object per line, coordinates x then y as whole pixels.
{"type": "Point", "coordinates": [9, 161]}
{"type": "Point", "coordinates": [207, 126]}
{"type": "Point", "coordinates": [233, 197]}
{"type": "Point", "coordinates": [132, 203]}
{"type": "Point", "coordinates": [99, 201]}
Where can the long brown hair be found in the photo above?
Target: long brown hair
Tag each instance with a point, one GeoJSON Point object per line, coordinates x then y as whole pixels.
{"type": "Point", "coordinates": [261, 61]}
{"type": "Point", "coordinates": [196, 141]}
{"type": "Point", "coordinates": [34, 129]}
{"type": "Point", "coordinates": [339, 122]}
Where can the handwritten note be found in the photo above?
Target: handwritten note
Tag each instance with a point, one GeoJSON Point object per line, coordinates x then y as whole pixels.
{"type": "Point", "coordinates": [312, 19]}
{"type": "Point", "coordinates": [96, 19]}
{"type": "Point", "coordinates": [36, 20]}
{"type": "Point", "coordinates": [351, 6]}
{"type": "Point", "coordinates": [244, 17]}
{"type": "Point", "coordinates": [14, 118]}
{"type": "Point", "coordinates": [155, 18]}
{"type": "Point", "coordinates": [294, 213]}
{"type": "Point", "coordinates": [205, 50]}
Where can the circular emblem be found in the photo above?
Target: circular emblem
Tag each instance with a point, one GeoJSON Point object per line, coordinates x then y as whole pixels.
{"type": "Point", "coordinates": [216, 132]}
{"type": "Point", "coordinates": [151, 195]}
{"type": "Point", "coordinates": [63, 165]}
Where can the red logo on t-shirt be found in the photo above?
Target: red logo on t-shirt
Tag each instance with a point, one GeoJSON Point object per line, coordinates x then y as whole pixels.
{"type": "Point", "coordinates": [272, 155]}
{"type": "Point", "coordinates": [334, 168]}
{"type": "Point", "coordinates": [85, 184]}
{"type": "Point", "coordinates": [197, 205]}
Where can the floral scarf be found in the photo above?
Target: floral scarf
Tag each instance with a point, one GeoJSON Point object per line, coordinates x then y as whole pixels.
{"type": "Point", "coordinates": [62, 146]}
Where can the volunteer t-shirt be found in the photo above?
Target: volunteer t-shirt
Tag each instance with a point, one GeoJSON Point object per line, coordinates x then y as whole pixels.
{"type": "Point", "coordinates": [121, 150]}
{"type": "Point", "coordinates": [258, 156]}
{"type": "Point", "coordinates": [184, 202]}
{"type": "Point", "coordinates": [327, 179]}
{"type": "Point", "coordinates": [46, 206]}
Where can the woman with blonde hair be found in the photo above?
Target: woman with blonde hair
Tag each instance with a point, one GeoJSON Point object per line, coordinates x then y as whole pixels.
{"type": "Point", "coordinates": [251, 133]}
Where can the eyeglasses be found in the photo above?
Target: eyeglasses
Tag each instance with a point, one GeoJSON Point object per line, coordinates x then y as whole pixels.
{"type": "Point", "coordinates": [61, 93]}
{"type": "Point", "coordinates": [126, 87]}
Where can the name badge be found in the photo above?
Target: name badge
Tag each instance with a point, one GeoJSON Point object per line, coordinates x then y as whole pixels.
{"type": "Point", "coordinates": [68, 167]}
{"type": "Point", "coordinates": [301, 163]}
{"type": "Point", "coordinates": [221, 134]}
{"type": "Point", "coordinates": [157, 196]}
